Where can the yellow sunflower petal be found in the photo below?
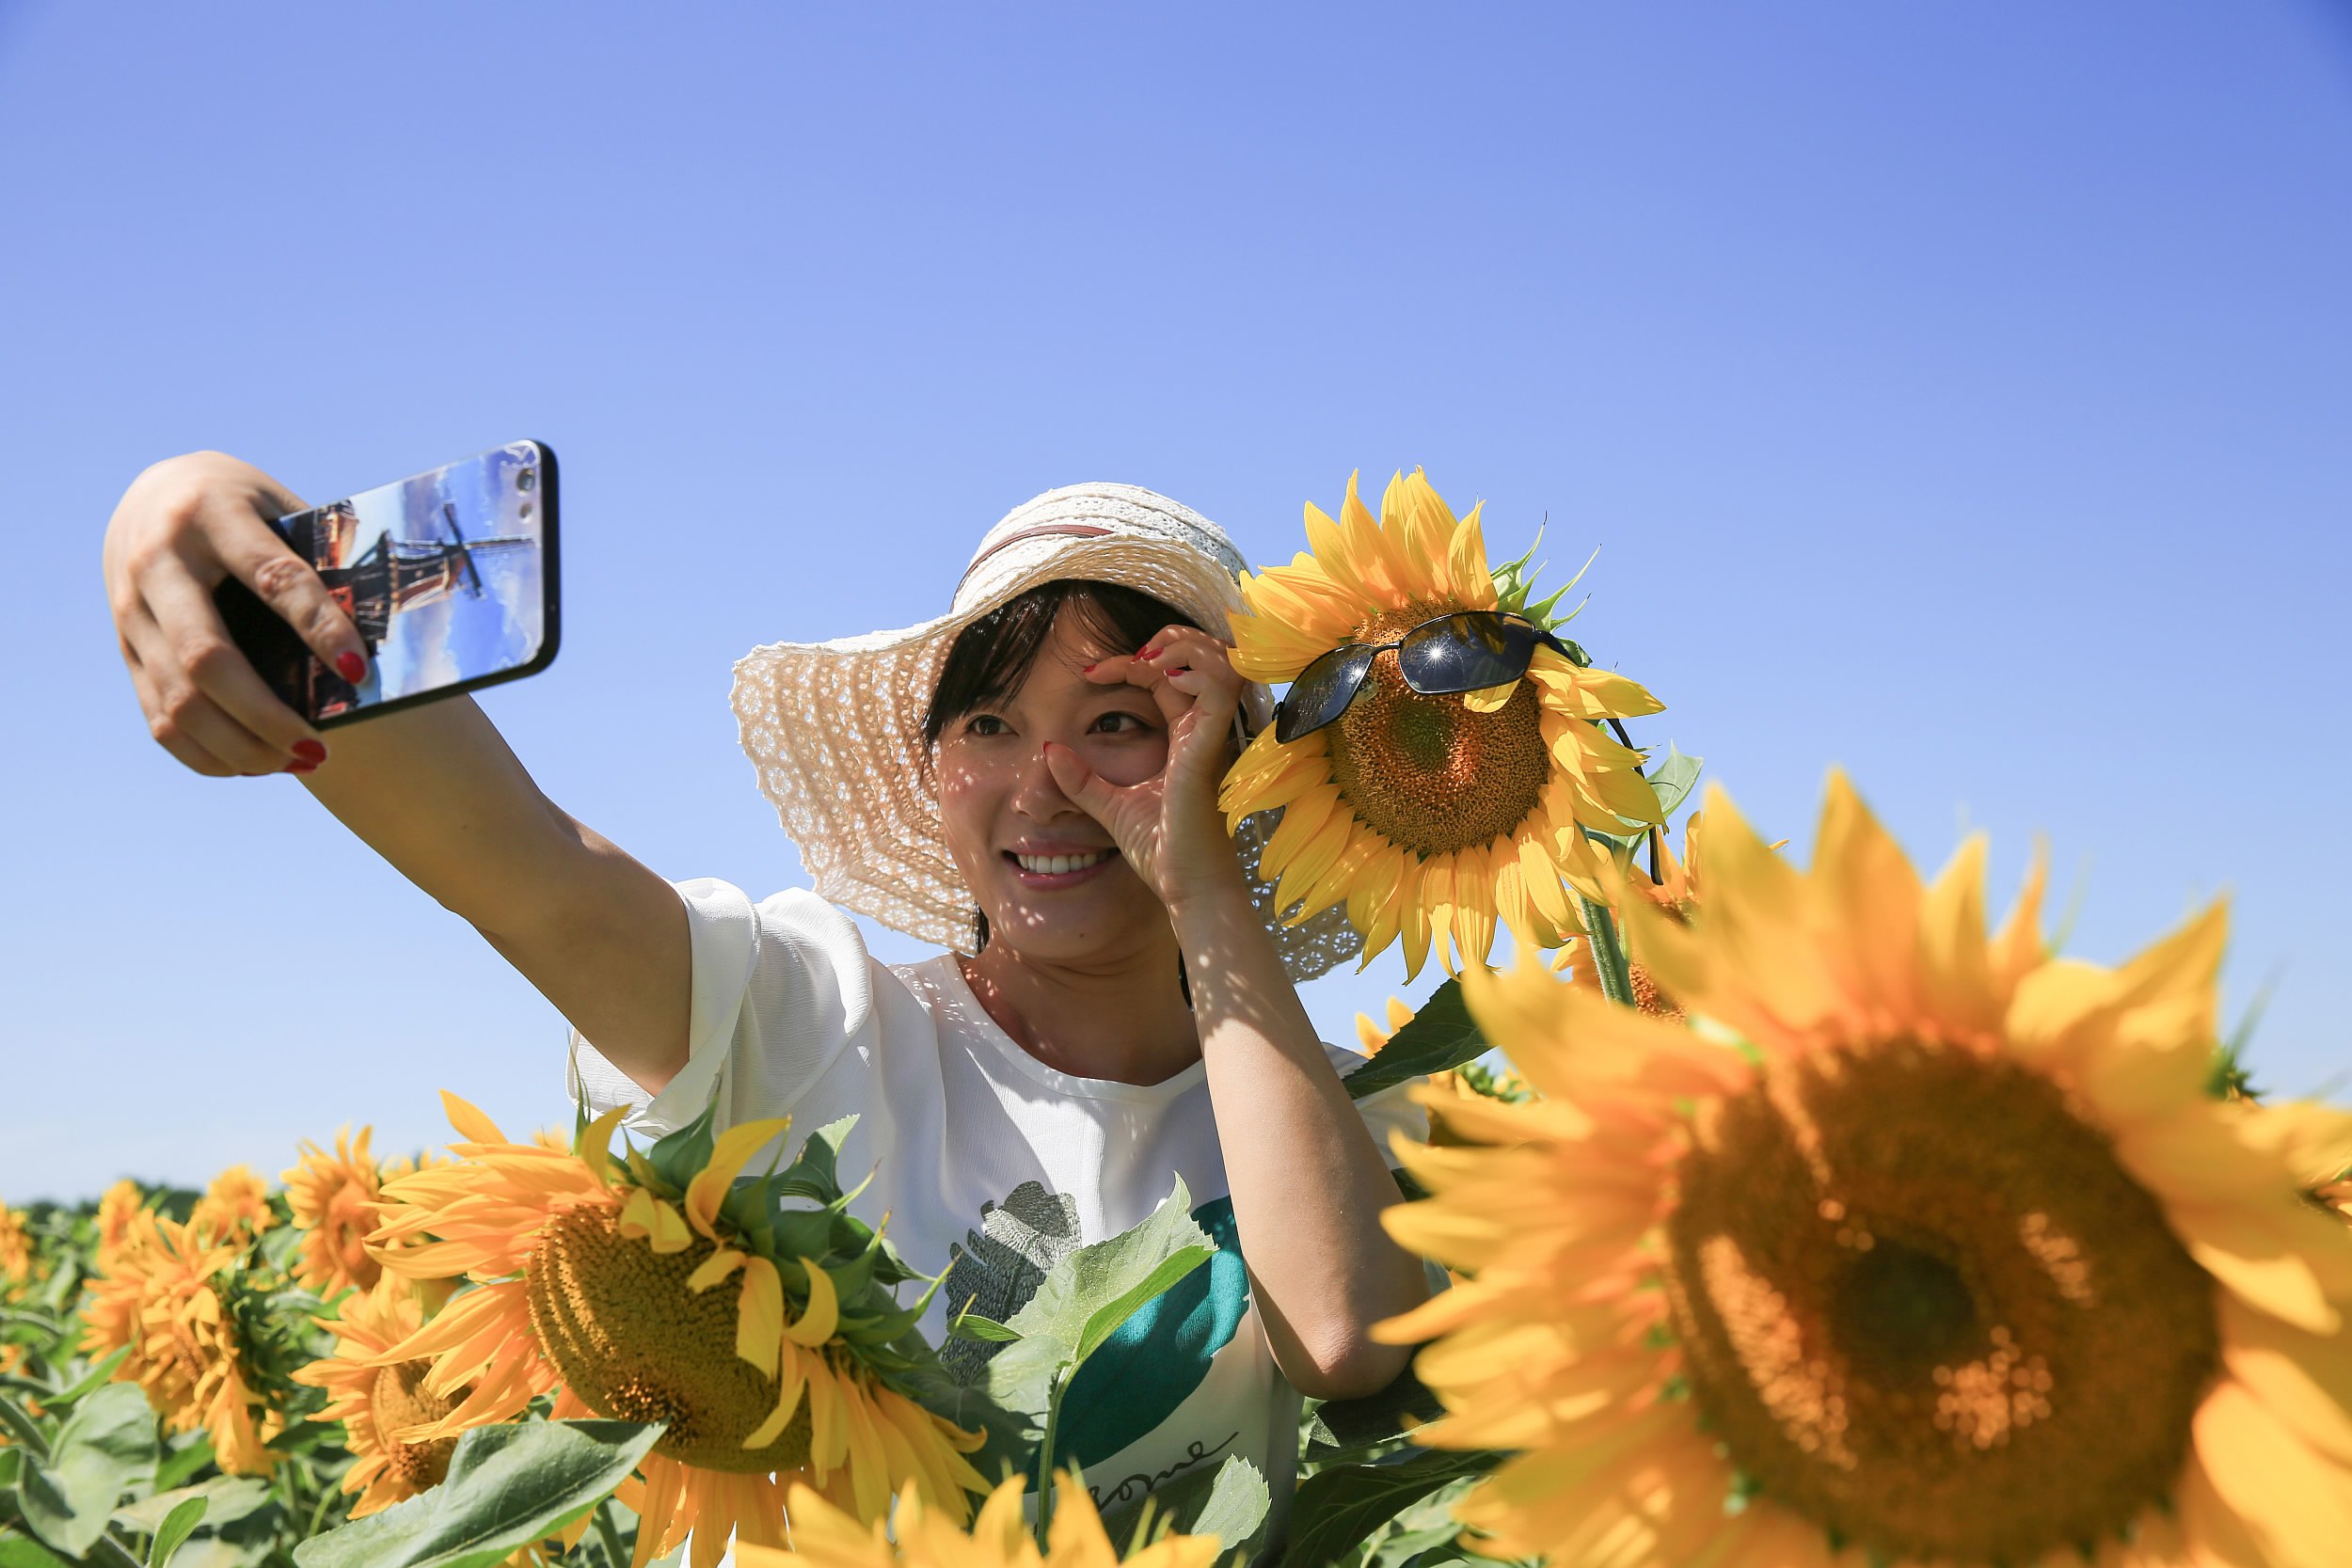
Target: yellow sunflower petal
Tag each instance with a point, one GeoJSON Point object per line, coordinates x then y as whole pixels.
{"type": "Point", "coordinates": [759, 1326]}
{"type": "Point", "coordinates": [823, 1317]}
{"type": "Point", "coordinates": [729, 1155]}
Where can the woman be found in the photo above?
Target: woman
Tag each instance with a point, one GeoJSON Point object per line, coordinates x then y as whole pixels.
{"type": "Point", "coordinates": [1029, 780]}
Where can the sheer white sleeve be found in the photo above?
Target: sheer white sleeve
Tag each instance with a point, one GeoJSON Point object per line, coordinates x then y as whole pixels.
{"type": "Point", "coordinates": [779, 988]}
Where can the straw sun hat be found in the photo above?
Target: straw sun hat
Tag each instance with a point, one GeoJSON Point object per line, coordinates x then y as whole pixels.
{"type": "Point", "coordinates": [835, 729]}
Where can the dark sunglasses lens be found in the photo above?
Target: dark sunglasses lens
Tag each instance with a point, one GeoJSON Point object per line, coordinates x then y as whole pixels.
{"type": "Point", "coordinates": [1463, 653]}
{"type": "Point", "coordinates": [1322, 692]}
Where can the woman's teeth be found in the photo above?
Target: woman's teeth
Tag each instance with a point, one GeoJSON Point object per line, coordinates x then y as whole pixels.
{"type": "Point", "coordinates": [1051, 864]}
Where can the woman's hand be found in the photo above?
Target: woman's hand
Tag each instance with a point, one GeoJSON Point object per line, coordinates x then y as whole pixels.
{"type": "Point", "coordinates": [182, 527]}
{"type": "Point", "coordinates": [1168, 827]}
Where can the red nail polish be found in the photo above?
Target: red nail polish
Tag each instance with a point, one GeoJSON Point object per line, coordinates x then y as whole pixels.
{"type": "Point", "coordinates": [1149, 653]}
{"type": "Point", "coordinates": [309, 751]}
{"type": "Point", "coordinates": [1173, 670]}
{"type": "Point", "coordinates": [351, 667]}
{"type": "Point", "coordinates": [302, 767]}
{"type": "Point", "coordinates": [1088, 668]}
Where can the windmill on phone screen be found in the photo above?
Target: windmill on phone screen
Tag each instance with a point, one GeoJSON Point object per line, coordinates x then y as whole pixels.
{"type": "Point", "coordinates": [407, 567]}
{"type": "Point", "coordinates": [447, 577]}
{"type": "Point", "coordinates": [396, 575]}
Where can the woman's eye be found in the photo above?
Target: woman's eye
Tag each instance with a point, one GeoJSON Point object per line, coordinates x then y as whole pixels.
{"type": "Point", "coordinates": [985, 723]}
{"type": "Point", "coordinates": [1132, 722]}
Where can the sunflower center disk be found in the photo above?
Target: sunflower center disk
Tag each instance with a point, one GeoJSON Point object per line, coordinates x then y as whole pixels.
{"type": "Point", "coordinates": [1924, 1306]}
{"type": "Point", "coordinates": [398, 1401]}
{"type": "Point", "coordinates": [1426, 773]}
{"type": "Point", "coordinates": [618, 1322]}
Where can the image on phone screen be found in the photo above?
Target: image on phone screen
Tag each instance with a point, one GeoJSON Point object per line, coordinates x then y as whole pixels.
{"type": "Point", "coordinates": [445, 575]}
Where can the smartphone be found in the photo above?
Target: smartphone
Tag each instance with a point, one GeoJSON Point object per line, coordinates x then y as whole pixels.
{"type": "Point", "coordinates": [449, 575]}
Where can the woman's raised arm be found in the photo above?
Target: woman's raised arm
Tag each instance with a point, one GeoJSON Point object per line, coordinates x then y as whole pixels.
{"type": "Point", "coordinates": [434, 790]}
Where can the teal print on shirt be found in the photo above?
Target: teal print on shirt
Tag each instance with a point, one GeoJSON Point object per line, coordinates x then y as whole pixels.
{"type": "Point", "coordinates": [1159, 1355]}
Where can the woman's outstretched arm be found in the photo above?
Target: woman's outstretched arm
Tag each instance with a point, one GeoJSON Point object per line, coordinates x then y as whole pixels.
{"type": "Point", "coordinates": [434, 790]}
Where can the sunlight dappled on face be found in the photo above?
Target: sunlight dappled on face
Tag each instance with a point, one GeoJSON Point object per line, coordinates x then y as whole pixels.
{"type": "Point", "coordinates": [1045, 873]}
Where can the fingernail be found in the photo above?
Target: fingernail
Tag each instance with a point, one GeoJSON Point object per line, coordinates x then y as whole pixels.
{"type": "Point", "coordinates": [1173, 670]}
{"type": "Point", "coordinates": [309, 751]}
{"type": "Point", "coordinates": [1153, 652]}
{"type": "Point", "coordinates": [351, 666]}
{"type": "Point", "coordinates": [1088, 668]}
{"type": "Point", "coordinates": [302, 767]}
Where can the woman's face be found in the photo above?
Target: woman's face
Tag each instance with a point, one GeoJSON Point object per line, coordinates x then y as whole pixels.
{"type": "Point", "coordinates": [1045, 873]}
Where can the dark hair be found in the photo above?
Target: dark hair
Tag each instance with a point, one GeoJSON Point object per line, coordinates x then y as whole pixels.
{"type": "Point", "coordinates": [992, 656]}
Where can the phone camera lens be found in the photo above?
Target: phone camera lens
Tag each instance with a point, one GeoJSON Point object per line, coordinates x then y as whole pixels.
{"type": "Point", "coordinates": [527, 479]}
{"type": "Point", "coordinates": [523, 510]}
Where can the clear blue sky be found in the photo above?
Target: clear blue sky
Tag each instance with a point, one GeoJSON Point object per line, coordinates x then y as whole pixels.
{"type": "Point", "coordinates": [1959, 391]}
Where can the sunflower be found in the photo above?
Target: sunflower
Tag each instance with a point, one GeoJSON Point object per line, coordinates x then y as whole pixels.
{"type": "Point", "coordinates": [654, 1290]}
{"type": "Point", "coordinates": [1430, 817]}
{"type": "Point", "coordinates": [16, 1247]}
{"type": "Point", "coordinates": [1926, 1243]}
{"type": "Point", "coordinates": [237, 1201]}
{"type": "Point", "coordinates": [115, 1209]}
{"type": "Point", "coordinates": [373, 1400]}
{"type": "Point", "coordinates": [920, 1537]}
{"type": "Point", "coordinates": [166, 1297]}
{"type": "Point", "coordinates": [333, 1198]}
{"type": "Point", "coordinates": [1674, 891]}
{"type": "Point", "coordinates": [1473, 1081]}
{"type": "Point", "coordinates": [1372, 1036]}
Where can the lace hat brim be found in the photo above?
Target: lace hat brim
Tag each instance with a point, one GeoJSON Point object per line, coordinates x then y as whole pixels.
{"type": "Point", "coordinates": [835, 729]}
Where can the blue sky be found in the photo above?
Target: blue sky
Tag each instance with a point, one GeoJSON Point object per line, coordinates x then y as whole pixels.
{"type": "Point", "coordinates": [1957, 392]}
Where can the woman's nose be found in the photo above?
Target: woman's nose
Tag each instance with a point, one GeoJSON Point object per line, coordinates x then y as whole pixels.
{"type": "Point", "coordinates": [1035, 793]}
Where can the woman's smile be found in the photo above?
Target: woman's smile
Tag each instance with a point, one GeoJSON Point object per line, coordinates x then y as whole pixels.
{"type": "Point", "coordinates": [1057, 866]}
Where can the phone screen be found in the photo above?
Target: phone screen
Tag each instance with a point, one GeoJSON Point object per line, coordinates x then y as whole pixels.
{"type": "Point", "coordinates": [450, 577]}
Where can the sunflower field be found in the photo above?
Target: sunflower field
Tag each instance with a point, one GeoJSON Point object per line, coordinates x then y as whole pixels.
{"type": "Point", "coordinates": [1790, 1216]}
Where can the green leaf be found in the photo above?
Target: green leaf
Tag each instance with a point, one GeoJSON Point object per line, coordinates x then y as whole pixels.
{"type": "Point", "coordinates": [107, 1444]}
{"type": "Point", "coordinates": [182, 1458]}
{"type": "Point", "coordinates": [814, 1173]}
{"type": "Point", "coordinates": [1439, 1038]}
{"type": "Point", "coordinates": [1085, 1296]}
{"type": "Point", "coordinates": [23, 1551]}
{"type": "Point", "coordinates": [507, 1487]}
{"type": "Point", "coordinates": [1338, 1510]}
{"type": "Point", "coordinates": [1230, 1502]}
{"type": "Point", "coordinates": [1236, 1507]}
{"type": "Point", "coordinates": [226, 1499]}
{"type": "Point", "coordinates": [1345, 1428]}
{"type": "Point", "coordinates": [679, 1156]}
{"type": "Point", "coordinates": [91, 1378]}
{"type": "Point", "coordinates": [178, 1525]}
{"type": "Point", "coordinates": [1672, 779]}
{"type": "Point", "coordinates": [21, 1427]}
{"type": "Point", "coordinates": [971, 1326]}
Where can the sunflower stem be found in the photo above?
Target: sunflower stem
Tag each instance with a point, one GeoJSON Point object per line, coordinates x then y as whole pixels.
{"type": "Point", "coordinates": [1045, 1459]}
{"type": "Point", "coordinates": [1616, 980]}
{"type": "Point", "coordinates": [610, 1537]}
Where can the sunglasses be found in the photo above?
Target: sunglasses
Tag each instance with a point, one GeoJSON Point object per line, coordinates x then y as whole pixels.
{"type": "Point", "coordinates": [1466, 651]}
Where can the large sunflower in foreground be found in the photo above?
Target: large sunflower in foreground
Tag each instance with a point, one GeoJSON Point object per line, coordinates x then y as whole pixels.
{"type": "Point", "coordinates": [1429, 817]}
{"type": "Point", "coordinates": [917, 1537]}
{"type": "Point", "coordinates": [170, 1296]}
{"type": "Point", "coordinates": [657, 1288]}
{"type": "Point", "coordinates": [334, 1199]}
{"type": "Point", "coordinates": [1924, 1244]}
